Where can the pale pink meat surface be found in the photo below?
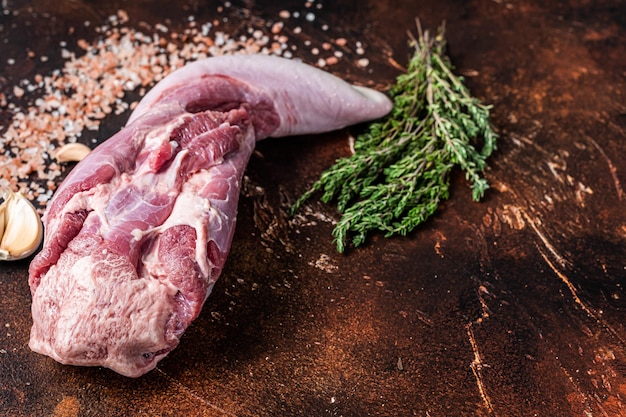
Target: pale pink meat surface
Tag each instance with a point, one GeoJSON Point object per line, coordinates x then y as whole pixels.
{"type": "Point", "coordinates": [139, 231]}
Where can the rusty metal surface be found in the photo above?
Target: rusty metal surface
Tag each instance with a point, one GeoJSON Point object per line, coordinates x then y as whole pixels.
{"type": "Point", "coordinates": [511, 307]}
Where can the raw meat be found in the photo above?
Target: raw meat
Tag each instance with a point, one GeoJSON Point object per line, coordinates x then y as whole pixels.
{"type": "Point", "coordinates": [139, 231]}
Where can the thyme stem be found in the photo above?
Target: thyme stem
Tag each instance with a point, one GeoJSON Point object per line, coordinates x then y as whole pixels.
{"type": "Point", "coordinates": [400, 171]}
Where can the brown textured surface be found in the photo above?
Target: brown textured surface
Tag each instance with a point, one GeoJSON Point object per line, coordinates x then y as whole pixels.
{"type": "Point", "coordinates": [511, 307]}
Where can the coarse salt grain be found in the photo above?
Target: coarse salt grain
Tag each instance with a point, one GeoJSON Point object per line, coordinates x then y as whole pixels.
{"type": "Point", "coordinates": [18, 91]}
{"type": "Point", "coordinates": [123, 16]}
{"type": "Point", "coordinates": [277, 27]}
{"type": "Point", "coordinates": [363, 62]}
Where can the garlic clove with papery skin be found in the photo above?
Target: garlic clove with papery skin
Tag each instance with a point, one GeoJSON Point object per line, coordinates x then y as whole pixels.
{"type": "Point", "coordinates": [21, 230]}
{"type": "Point", "coordinates": [72, 152]}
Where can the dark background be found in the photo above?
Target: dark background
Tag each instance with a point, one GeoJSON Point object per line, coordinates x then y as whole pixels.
{"type": "Point", "coordinates": [509, 307]}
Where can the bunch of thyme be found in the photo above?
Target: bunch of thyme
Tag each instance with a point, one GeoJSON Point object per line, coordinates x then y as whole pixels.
{"type": "Point", "coordinates": [400, 170]}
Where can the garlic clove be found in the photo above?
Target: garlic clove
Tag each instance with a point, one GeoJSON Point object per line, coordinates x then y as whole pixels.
{"type": "Point", "coordinates": [72, 152]}
{"type": "Point", "coordinates": [22, 230]}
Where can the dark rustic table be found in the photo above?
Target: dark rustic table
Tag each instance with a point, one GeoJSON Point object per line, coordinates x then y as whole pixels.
{"type": "Point", "coordinates": [514, 306]}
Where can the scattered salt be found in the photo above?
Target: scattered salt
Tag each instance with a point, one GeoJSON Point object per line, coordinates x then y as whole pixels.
{"type": "Point", "coordinates": [74, 99]}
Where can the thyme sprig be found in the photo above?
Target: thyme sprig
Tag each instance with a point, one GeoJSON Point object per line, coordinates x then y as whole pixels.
{"type": "Point", "coordinates": [400, 170]}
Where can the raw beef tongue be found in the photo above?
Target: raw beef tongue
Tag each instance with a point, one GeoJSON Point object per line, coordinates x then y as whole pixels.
{"type": "Point", "coordinates": [139, 231]}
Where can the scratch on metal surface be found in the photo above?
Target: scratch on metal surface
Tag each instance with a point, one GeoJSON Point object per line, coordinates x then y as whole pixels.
{"type": "Point", "coordinates": [477, 366]}
{"type": "Point", "coordinates": [482, 291]}
{"type": "Point", "coordinates": [188, 391]}
{"type": "Point", "coordinates": [580, 192]}
{"type": "Point", "coordinates": [562, 262]}
{"type": "Point", "coordinates": [533, 224]}
{"type": "Point", "coordinates": [616, 182]}
{"type": "Point", "coordinates": [574, 292]}
{"type": "Point", "coordinates": [584, 399]}
{"type": "Point", "coordinates": [555, 167]}
{"type": "Point", "coordinates": [572, 289]}
{"type": "Point", "coordinates": [563, 277]}
{"type": "Point", "coordinates": [421, 316]}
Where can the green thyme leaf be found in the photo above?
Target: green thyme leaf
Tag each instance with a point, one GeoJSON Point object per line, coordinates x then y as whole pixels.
{"type": "Point", "coordinates": [400, 170]}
